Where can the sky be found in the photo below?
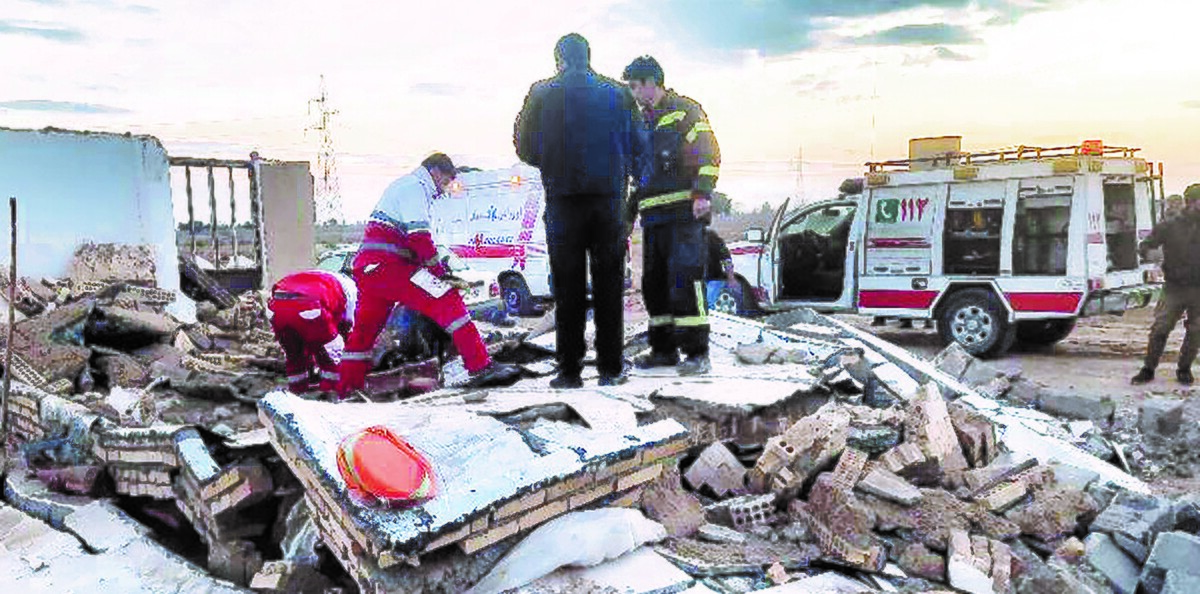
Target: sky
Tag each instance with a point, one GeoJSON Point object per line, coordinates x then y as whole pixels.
{"type": "Point", "coordinates": [800, 94]}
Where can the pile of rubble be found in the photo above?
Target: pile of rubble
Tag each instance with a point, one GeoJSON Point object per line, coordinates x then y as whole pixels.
{"type": "Point", "coordinates": [814, 458]}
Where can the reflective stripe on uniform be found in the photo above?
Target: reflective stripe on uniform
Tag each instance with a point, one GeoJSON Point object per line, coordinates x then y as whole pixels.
{"type": "Point", "coordinates": [701, 306]}
{"type": "Point", "coordinates": [356, 356]}
{"type": "Point", "coordinates": [665, 199]}
{"type": "Point", "coordinates": [387, 247]}
{"type": "Point", "coordinates": [662, 321]}
{"type": "Point", "coordinates": [712, 170]}
{"type": "Point", "coordinates": [331, 375]}
{"type": "Point", "coordinates": [696, 130]}
{"type": "Point", "coordinates": [298, 377]}
{"type": "Point", "coordinates": [454, 326]}
{"type": "Point", "coordinates": [671, 118]}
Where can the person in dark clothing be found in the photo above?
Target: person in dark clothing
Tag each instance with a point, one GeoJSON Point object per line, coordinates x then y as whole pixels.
{"type": "Point", "coordinates": [674, 199]}
{"type": "Point", "coordinates": [719, 263]}
{"type": "Point", "coordinates": [578, 129]}
{"type": "Point", "coordinates": [1179, 238]}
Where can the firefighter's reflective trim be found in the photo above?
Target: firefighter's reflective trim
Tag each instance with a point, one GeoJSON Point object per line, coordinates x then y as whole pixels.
{"type": "Point", "coordinates": [701, 306]}
{"type": "Point", "coordinates": [671, 118]}
{"type": "Point", "coordinates": [454, 326]}
{"type": "Point", "coordinates": [297, 377]}
{"type": "Point", "coordinates": [665, 199]}
{"type": "Point", "coordinates": [387, 247]}
{"type": "Point", "coordinates": [696, 130]}
{"type": "Point", "coordinates": [712, 170]}
{"type": "Point", "coordinates": [331, 375]}
{"type": "Point", "coordinates": [379, 216]}
{"type": "Point", "coordinates": [356, 356]}
{"type": "Point", "coordinates": [667, 320]}
{"type": "Point", "coordinates": [287, 295]}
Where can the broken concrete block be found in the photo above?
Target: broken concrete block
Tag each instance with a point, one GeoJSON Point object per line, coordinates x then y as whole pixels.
{"type": "Point", "coordinates": [129, 329]}
{"type": "Point", "coordinates": [808, 445]}
{"type": "Point", "coordinates": [981, 553]}
{"type": "Point", "coordinates": [1053, 514]}
{"type": "Point", "coordinates": [665, 502]}
{"type": "Point", "coordinates": [981, 372]}
{"type": "Point", "coordinates": [918, 560]}
{"type": "Point", "coordinates": [885, 484]}
{"type": "Point", "coordinates": [1001, 566]}
{"type": "Point", "coordinates": [902, 457]}
{"type": "Point", "coordinates": [1160, 417]}
{"type": "Point", "coordinates": [961, 568]}
{"type": "Point", "coordinates": [1107, 558]}
{"type": "Point", "coordinates": [976, 434]}
{"type": "Point", "coordinates": [123, 370]}
{"type": "Point", "coordinates": [928, 425]}
{"type": "Point", "coordinates": [1181, 582]}
{"type": "Point", "coordinates": [1140, 517]}
{"type": "Point", "coordinates": [1173, 551]}
{"type": "Point", "coordinates": [237, 561]}
{"type": "Point", "coordinates": [1074, 405]}
{"type": "Point", "coordinates": [109, 262]}
{"type": "Point", "coordinates": [1070, 550]}
{"type": "Point", "coordinates": [778, 574]}
{"type": "Point", "coordinates": [718, 469]}
{"type": "Point", "coordinates": [720, 534]}
{"type": "Point", "coordinates": [1187, 514]}
{"type": "Point", "coordinates": [754, 353]}
{"type": "Point", "coordinates": [1003, 468]}
{"type": "Point", "coordinates": [953, 360]}
{"type": "Point", "coordinates": [102, 527]}
{"type": "Point", "coordinates": [1024, 392]}
{"type": "Point", "coordinates": [896, 380]}
{"type": "Point", "coordinates": [1136, 549]}
{"type": "Point", "coordinates": [849, 468]}
{"type": "Point", "coordinates": [873, 439]}
{"type": "Point", "coordinates": [1003, 496]}
{"type": "Point", "coordinates": [751, 510]}
{"type": "Point", "coordinates": [1073, 476]}
{"type": "Point", "coordinates": [994, 389]}
{"type": "Point", "coordinates": [841, 546]}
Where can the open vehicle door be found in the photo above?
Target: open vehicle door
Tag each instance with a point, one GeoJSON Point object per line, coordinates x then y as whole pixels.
{"type": "Point", "coordinates": [768, 275]}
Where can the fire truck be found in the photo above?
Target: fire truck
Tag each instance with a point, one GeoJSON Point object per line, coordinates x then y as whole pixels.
{"type": "Point", "coordinates": [995, 246]}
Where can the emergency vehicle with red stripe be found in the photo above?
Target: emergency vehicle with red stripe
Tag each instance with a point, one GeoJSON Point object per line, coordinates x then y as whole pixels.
{"type": "Point", "coordinates": [995, 246]}
{"type": "Point", "coordinates": [493, 220]}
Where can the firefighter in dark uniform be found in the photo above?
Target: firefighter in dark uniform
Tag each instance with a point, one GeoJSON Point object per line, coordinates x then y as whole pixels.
{"type": "Point", "coordinates": [1179, 238]}
{"type": "Point", "coordinates": [674, 198]}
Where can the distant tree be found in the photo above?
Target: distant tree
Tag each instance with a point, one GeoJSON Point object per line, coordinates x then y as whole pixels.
{"type": "Point", "coordinates": [722, 204]}
{"type": "Point", "coordinates": [766, 208]}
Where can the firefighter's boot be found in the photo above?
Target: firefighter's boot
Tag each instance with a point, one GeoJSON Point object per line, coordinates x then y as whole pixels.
{"type": "Point", "coordinates": [495, 374]}
{"type": "Point", "coordinates": [694, 365]}
{"type": "Point", "coordinates": [656, 359]}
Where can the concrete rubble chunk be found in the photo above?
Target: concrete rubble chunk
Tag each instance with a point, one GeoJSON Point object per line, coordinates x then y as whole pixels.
{"type": "Point", "coordinates": [896, 380]}
{"type": "Point", "coordinates": [718, 469]}
{"type": "Point", "coordinates": [1075, 405]}
{"type": "Point", "coordinates": [976, 434]}
{"type": "Point", "coordinates": [720, 534]}
{"type": "Point", "coordinates": [102, 527]}
{"type": "Point", "coordinates": [1002, 562]}
{"type": "Point", "coordinates": [902, 457]}
{"type": "Point", "coordinates": [1181, 582]}
{"type": "Point", "coordinates": [953, 360]}
{"type": "Point", "coordinates": [743, 513]}
{"type": "Point", "coordinates": [928, 424]}
{"type": "Point", "coordinates": [840, 542]}
{"type": "Point", "coordinates": [109, 262]}
{"type": "Point", "coordinates": [1160, 417]}
{"type": "Point", "coordinates": [1107, 558]}
{"type": "Point", "coordinates": [982, 372]}
{"type": "Point", "coordinates": [1173, 551]}
{"type": "Point", "coordinates": [873, 439]}
{"type": "Point", "coordinates": [1132, 547]}
{"type": "Point", "coordinates": [961, 569]}
{"type": "Point", "coordinates": [918, 560]}
{"type": "Point", "coordinates": [1140, 517]}
{"type": "Point", "coordinates": [755, 354]}
{"type": "Point", "coordinates": [1003, 468]}
{"type": "Point", "coordinates": [887, 485]}
{"type": "Point", "coordinates": [1053, 513]}
{"type": "Point", "coordinates": [1187, 514]}
{"type": "Point", "coordinates": [665, 502]}
{"type": "Point", "coordinates": [849, 468]}
{"type": "Point", "coordinates": [808, 445]}
{"type": "Point", "coordinates": [1073, 476]}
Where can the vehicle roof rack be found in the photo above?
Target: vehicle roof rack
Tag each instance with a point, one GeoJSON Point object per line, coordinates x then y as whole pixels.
{"type": "Point", "coordinates": [1020, 153]}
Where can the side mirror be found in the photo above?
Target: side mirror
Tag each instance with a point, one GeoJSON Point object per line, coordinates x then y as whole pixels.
{"type": "Point", "coordinates": [754, 234]}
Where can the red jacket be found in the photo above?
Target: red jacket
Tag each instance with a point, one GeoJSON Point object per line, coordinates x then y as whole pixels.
{"type": "Point", "coordinates": [402, 222]}
{"type": "Point", "coordinates": [317, 305]}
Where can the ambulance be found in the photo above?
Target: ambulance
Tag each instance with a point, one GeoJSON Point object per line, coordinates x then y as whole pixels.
{"type": "Point", "coordinates": [995, 246]}
{"type": "Point", "coordinates": [493, 220]}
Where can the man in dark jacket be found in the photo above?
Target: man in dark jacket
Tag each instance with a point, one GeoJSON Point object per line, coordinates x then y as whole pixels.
{"type": "Point", "coordinates": [578, 129]}
{"type": "Point", "coordinates": [1179, 238]}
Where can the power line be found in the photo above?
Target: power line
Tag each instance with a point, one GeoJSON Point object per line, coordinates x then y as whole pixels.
{"type": "Point", "coordinates": [328, 194]}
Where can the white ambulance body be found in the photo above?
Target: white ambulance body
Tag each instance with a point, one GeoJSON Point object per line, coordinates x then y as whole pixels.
{"type": "Point", "coordinates": [994, 246]}
{"type": "Point", "coordinates": [493, 220]}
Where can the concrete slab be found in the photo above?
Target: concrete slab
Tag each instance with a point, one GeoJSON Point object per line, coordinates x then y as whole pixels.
{"type": "Point", "coordinates": [640, 572]}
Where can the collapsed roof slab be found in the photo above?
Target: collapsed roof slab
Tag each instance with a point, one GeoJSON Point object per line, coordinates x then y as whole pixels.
{"type": "Point", "coordinates": [493, 479]}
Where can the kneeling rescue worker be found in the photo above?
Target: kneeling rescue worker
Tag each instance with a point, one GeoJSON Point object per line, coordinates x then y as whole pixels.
{"type": "Point", "coordinates": [397, 263]}
{"type": "Point", "coordinates": [311, 313]}
{"type": "Point", "coordinates": [674, 198]}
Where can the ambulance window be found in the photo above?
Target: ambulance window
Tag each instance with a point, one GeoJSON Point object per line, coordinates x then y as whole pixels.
{"type": "Point", "coordinates": [974, 217]}
{"type": "Point", "coordinates": [1040, 232]}
{"type": "Point", "coordinates": [1120, 224]}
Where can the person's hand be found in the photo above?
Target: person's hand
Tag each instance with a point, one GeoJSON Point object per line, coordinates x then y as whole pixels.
{"type": "Point", "coordinates": [701, 206]}
{"type": "Point", "coordinates": [456, 282]}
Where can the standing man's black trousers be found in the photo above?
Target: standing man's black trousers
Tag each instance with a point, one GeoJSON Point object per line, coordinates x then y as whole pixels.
{"type": "Point", "coordinates": [580, 228]}
{"type": "Point", "coordinates": [674, 253]}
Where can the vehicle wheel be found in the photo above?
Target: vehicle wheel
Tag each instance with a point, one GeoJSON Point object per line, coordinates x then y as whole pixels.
{"type": "Point", "coordinates": [517, 299]}
{"type": "Point", "coordinates": [727, 301]}
{"type": "Point", "coordinates": [1044, 332]}
{"type": "Point", "coordinates": [975, 319]}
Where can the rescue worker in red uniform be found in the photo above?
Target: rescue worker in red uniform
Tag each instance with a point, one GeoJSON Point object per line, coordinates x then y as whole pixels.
{"type": "Point", "coordinates": [397, 263]}
{"type": "Point", "coordinates": [674, 198]}
{"type": "Point", "coordinates": [311, 314]}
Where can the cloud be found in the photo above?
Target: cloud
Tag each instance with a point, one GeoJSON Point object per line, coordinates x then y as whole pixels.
{"type": "Point", "coordinates": [52, 33]}
{"type": "Point", "coordinates": [59, 106]}
{"type": "Point", "coordinates": [1193, 104]}
{"type": "Point", "coordinates": [932, 34]}
{"type": "Point", "coordinates": [437, 89]}
{"type": "Point", "coordinates": [812, 85]}
{"type": "Point", "coordinates": [937, 54]}
{"type": "Point", "coordinates": [782, 27]}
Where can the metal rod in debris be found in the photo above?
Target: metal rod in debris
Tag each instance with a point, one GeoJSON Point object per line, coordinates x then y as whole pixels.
{"type": "Point", "coordinates": [12, 299]}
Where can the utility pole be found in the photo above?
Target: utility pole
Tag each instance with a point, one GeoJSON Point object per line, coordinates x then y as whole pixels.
{"type": "Point", "coordinates": [328, 196]}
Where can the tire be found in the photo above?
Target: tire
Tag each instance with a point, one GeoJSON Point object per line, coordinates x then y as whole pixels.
{"type": "Point", "coordinates": [976, 320]}
{"type": "Point", "coordinates": [1044, 332]}
{"type": "Point", "coordinates": [518, 301]}
{"type": "Point", "coordinates": [727, 301]}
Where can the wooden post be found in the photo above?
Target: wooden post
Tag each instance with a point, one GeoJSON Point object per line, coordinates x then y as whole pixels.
{"type": "Point", "coordinates": [8, 346]}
